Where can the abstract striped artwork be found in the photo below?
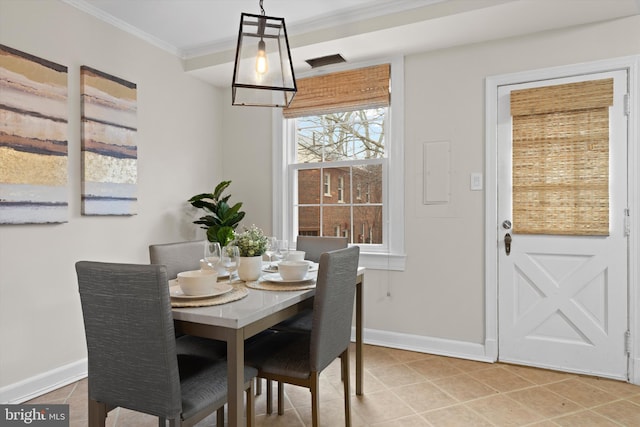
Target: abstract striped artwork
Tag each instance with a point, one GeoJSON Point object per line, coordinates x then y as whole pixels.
{"type": "Point", "coordinates": [33, 139]}
{"type": "Point", "coordinates": [109, 151]}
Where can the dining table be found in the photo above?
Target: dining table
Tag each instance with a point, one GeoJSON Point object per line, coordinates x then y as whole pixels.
{"type": "Point", "coordinates": [236, 321]}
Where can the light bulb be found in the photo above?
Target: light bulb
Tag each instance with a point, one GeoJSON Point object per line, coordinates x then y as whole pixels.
{"type": "Point", "coordinates": [262, 66]}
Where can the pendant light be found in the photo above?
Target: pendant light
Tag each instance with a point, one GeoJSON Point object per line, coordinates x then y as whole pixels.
{"type": "Point", "coordinates": [263, 72]}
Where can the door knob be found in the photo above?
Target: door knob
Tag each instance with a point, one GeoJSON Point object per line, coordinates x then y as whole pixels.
{"type": "Point", "coordinates": [507, 243]}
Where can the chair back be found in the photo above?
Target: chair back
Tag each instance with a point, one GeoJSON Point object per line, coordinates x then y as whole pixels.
{"type": "Point", "coordinates": [333, 306]}
{"type": "Point", "coordinates": [177, 257]}
{"type": "Point", "coordinates": [128, 324]}
{"type": "Point", "coordinates": [314, 246]}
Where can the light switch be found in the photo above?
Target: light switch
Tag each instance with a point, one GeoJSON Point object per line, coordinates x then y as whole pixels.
{"type": "Point", "coordinates": [476, 181]}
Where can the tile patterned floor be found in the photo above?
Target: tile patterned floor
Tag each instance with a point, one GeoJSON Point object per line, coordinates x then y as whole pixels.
{"type": "Point", "coordinates": [408, 389]}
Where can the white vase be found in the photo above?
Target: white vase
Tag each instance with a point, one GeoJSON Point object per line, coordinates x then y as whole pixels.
{"type": "Point", "coordinates": [250, 268]}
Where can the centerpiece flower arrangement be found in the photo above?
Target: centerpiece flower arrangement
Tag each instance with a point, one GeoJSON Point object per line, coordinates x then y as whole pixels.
{"type": "Point", "coordinates": [251, 242]}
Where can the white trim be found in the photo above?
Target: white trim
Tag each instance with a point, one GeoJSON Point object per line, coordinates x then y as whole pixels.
{"type": "Point", "coordinates": [46, 382]}
{"type": "Point", "coordinates": [124, 26]}
{"type": "Point", "coordinates": [632, 64]}
{"type": "Point", "coordinates": [394, 257]}
{"type": "Point", "coordinates": [422, 344]}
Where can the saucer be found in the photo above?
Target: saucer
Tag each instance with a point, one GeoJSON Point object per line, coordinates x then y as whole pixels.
{"type": "Point", "coordinates": [219, 289]}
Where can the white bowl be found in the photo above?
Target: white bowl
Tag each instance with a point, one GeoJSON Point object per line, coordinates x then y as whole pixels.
{"type": "Point", "coordinates": [197, 282]}
{"type": "Point", "coordinates": [295, 256]}
{"type": "Point", "coordinates": [293, 270]}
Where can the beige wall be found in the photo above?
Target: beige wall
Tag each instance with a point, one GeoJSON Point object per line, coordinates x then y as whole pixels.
{"type": "Point", "coordinates": [179, 140]}
{"type": "Point", "coordinates": [189, 134]}
{"type": "Point", "coordinates": [437, 303]}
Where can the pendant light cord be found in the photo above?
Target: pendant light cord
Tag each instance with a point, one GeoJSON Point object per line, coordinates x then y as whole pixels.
{"type": "Point", "coordinates": [261, 9]}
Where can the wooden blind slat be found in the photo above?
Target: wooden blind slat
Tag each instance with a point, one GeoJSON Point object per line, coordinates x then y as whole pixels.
{"type": "Point", "coordinates": [342, 91]}
{"type": "Point", "coordinates": [565, 97]}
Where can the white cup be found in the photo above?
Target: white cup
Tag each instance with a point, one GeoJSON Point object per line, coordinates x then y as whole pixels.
{"type": "Point", "coordinates": [296, 256]}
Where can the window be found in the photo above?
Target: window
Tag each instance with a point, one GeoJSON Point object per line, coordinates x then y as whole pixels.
{"type": "Point", "coordinates": [327, 184]}
{"type": "Point", "coordinates": [351, 147]}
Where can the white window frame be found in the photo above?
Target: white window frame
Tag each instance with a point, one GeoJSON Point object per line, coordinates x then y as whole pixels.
{"type": "Point", "coordinates": [387, 256]}
{"type": "Point", "coordinates": [341, 189]}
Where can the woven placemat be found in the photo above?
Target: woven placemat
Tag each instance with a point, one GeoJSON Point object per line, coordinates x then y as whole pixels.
{"type": "Point", "coordinates": [238, 292]}
{"type": "Point", "coordinates": [272, 286]}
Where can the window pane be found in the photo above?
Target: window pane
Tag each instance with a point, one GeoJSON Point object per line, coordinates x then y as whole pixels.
{"type": "Point", "coordinates": [367, 224]}
{"type": "Point", "coordinates": [309, 141]}
{"type": "Point", "coordinates": [309, 220]}
{"type": "Point", "coordinates": [334, 137]}
{"type": "Point", "coordinates": [368, 183]}
{"type": "Point", "coordinates": [336, 221]}
{"type": "Point", "coordinates": [338, 193]}
{"type": "Point", "coordinates": [309, 187]}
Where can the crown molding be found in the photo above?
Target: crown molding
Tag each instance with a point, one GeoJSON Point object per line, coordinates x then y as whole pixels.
{"type": "Point", "coordinates": [110, 19]}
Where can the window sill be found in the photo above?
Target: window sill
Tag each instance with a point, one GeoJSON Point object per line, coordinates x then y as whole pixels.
{"type": "Point", "coordinates": [382, 261]}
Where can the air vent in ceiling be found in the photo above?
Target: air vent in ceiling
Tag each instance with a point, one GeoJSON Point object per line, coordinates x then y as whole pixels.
{"type": "Point", "coordinates": [325, 60]}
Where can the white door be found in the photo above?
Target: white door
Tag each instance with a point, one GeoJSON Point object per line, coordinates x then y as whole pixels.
{"type": "Point", "coordinates": [563, 297]}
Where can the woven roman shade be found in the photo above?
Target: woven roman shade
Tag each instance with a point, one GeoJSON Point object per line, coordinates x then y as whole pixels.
{"type": "Point", "coordinates": [342, 91]}
{"type": "Point", "coordinates": [561, 158]}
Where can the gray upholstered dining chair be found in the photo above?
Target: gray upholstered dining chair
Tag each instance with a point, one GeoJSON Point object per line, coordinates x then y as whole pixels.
{"type": "Point", "coordinates": [132, 358]}
{"type": "Point", "coordinates": [178, 257]}
{"type": "Point", "coordinates": [299, 358]}
{"type": "Point", "coordinates": [314, 246]}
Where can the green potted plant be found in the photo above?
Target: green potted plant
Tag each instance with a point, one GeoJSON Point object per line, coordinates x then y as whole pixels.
{"type": "Point", "coordinates": [221, 219]}
{"type": "Point", "coordinates": [252, 244]}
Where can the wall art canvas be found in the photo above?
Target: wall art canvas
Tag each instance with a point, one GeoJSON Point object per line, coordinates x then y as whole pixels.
{"type": "Point", "coordinates": [109, 151]}
{"type": "Point", "coordinates": [33, 139]}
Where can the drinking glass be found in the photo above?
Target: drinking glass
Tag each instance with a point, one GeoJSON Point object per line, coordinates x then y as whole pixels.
{"type": "Point", "coordinates": [272, 247]}
{"type": "Point", "coordinates": [283, 250]}
{"type": "Point", "coordinates": [212, 254]}
{"type": "Point", "coordinates": [230, 259]}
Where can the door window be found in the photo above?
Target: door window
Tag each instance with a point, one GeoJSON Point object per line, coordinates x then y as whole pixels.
{"type": "Point", "coordinates": [561, 158]}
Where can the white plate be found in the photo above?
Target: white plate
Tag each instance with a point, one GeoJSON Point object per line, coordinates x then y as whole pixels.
{"type": "Point", "coordinates": [277, 278]}
{"type": "Point", "coordinates": [219, 289]}
{"type": "Point", "coordinates": [313, 266]}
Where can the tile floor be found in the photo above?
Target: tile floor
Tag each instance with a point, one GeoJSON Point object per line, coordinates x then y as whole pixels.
{"type": "Point", "coordinates": [404, 388]}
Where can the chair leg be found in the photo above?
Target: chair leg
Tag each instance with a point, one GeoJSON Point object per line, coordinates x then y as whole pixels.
{"type": "Point", "coordinates": [280, 398]}
{"type": "Point", "coordinates": [269, 398]}
{"type": "Point", "coordinates": [220, 416]}
{"type": "Point", "coordinates": [251, 406]}
{"type": "Point", "coordinates": [97, 413]}
{"type": "Point", "coordinates": [315, 397]}
{"type": "Point", "coordinates": [344, 359]}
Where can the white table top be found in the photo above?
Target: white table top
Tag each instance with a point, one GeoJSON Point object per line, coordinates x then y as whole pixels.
{"type": "Point", "coordinates": [237, 314]}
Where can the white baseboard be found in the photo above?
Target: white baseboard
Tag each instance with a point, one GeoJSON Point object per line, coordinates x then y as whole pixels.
{"type": "Point", "coordinates": [634, 371]}
{"type": "Point", "coordinates": [443, 347]}
{"type": "Point", "coordinates": [44, 383]}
